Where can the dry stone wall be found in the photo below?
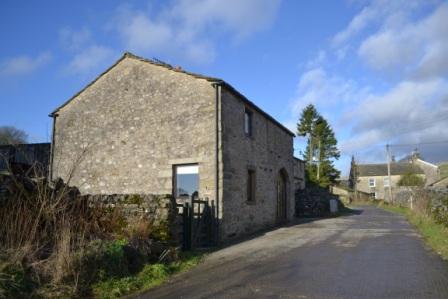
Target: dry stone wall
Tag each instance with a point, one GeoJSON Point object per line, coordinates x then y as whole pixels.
{"type": "Point", "coordinates": [135, 207]}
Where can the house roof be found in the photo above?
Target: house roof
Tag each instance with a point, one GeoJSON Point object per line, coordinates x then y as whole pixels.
{"type": "Point", "coordinates": [213, 80]}
{"type": "Point", "coordinates": [440, 183]}
{"type": "Point", "coordinates": [381, 169]}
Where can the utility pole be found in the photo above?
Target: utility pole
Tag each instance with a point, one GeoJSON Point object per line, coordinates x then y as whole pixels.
{"type": "Point", "coordinates": [311, 149]}
{"type": "Point", "coordinates": [355, 170]}
{"type": "Point", "coordinates": [318, 162]}
{"type": "Point", "coordinates": [388, 172]}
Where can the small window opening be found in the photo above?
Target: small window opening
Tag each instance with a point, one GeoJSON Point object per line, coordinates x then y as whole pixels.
{"type": "Point", "coordinates": [248, 122]}
{"type": "Point", "coordinates": [186, 180]}
{"type": "Point", "coordinates": [251, 185]}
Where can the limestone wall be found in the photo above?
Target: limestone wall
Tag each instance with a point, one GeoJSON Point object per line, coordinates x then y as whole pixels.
{"type": "Point", "coordinates": [299, 174]}
{"type": "Point", "coordinates": [267, 151]}
{"type": "Point", "coordinates": [160, 208]}
{"type": "Point", "coordinates": [125, 132]}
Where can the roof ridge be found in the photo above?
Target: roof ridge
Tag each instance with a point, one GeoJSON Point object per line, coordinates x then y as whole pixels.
{"type": "Point", "coordinates": [128, 54]}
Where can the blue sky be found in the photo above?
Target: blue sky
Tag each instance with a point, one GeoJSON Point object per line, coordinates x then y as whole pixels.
{"type": "Point", "coordinates": [377, 70]}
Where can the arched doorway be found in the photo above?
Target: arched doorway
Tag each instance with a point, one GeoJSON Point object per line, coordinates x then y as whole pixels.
{"type": "Point", "coordinates": [282, 196]}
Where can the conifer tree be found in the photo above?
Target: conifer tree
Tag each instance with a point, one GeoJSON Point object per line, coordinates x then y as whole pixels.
{"type": "Point", "coordinates": [321, 148]}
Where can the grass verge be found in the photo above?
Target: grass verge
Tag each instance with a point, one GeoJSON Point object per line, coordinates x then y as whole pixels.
{"type": "Point", "coordinates": [434, 234]}
{"type": "Point", "coordinates": [151, 275]}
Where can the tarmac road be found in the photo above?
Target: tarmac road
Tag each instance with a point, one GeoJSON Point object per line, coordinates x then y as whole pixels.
{"type": "Point", "coordinates": [371, 254]}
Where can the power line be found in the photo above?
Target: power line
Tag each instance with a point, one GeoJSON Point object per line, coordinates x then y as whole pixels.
{"type": "Point", "coordinates": [421, 143]}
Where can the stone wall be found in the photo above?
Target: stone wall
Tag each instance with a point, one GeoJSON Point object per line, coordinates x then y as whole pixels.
{"type": "Point", "coordinates": [267, 151]}
{"type": "Point", "coordinates": [135, 207]}
{"type": "Point", "coordinates": [409, 196]}
{"type": "Point", "coordinates": [124, 133]}
{"type": "Point", "coordinates": [299, 174]}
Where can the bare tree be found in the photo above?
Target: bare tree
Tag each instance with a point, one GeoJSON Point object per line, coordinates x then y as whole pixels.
{"type": "Point", "coordinates": [12, 135]}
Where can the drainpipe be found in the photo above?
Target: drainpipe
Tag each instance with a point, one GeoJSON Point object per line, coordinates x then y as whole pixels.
{"type": "Point", "coordinates": [217, 87]}
{"type": "Point", "coordinates": [50, 170]}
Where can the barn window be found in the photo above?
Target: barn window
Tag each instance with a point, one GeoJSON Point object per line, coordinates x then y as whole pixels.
{"type": "Point", "coordinates": [186, 180]}
{"type": "Point", "coordinates": [251, 184]}
{"type": "Point", "coordinates": [372, 182]}
{"type": "Point", "coordinates": [247, 122]}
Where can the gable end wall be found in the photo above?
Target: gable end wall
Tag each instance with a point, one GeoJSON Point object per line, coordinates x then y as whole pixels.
{"type": "Point", "coordinates": [125, 132]}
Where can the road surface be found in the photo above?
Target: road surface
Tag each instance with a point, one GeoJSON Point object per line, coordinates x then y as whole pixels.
{"type": "Point", "coordinates": [371, 254]}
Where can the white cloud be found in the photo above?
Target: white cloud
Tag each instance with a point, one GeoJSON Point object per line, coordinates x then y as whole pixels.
{"type": "Point", "coordinates": [241, 18]}
{"type": "Point", "coordinates": [142, 34]}
{"type": "Point", "coordinates": [86, 55]}
{"type": "Point", "coordinates": [90, 59]}
{"type": "Point", "coordinates": [404, 114]}
{"type": "Point", "coordinates": [75, 40]}
{"type": "Point", "coordinates": [384, 12]}
{"type": "Point", "coordinates": [413, 48]}
{"type": "Point", "coordinates": [23, 65]}
{"type": "Point", "coordinates": [325, 91]}
{"type": "Point", "coordinates": [187, 29]}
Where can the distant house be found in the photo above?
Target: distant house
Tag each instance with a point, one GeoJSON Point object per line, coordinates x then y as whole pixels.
{"type": "Point", "coordinates": [373, 178]}
{"type": "Point", "coordinates": [432, 171]}
{"type": "Point", "coordinates": [30, 158]}
{"type": "Point", "coordinates": [146, 127]}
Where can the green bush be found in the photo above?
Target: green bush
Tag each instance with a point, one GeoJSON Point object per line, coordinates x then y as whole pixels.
{"type": "Point", "coordinates": [439, 211]}
{"type": "Point", "coordinates": [115, 288]}
{"type": "Point", "coordinates": [15, 280]}
{"type": "Point", "coordinates": [101, 260]}
{"type": "Point", "coordinates": [410, 180]}
{"type": "Point", "coordinates": [150, 276]}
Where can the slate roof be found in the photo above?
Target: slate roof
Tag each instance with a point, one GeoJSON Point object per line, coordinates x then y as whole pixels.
{"type": "Point", "coordinates": [213, 80]}
{"type": "Point", "coordinates": [381, 169]}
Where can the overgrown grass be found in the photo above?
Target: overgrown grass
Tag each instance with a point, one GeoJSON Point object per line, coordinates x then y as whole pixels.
{"type": "Point", "coordinates": [55, 243]}
{"type": "Point", "coordinates": [150, 276]}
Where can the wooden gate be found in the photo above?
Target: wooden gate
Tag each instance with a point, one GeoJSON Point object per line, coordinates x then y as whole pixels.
{"type": "Point", "coordinates": [199, 223]}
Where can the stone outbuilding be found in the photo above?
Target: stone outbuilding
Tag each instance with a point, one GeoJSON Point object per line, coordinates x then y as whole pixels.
{"type": "Point", "coordinates": [145, 127]}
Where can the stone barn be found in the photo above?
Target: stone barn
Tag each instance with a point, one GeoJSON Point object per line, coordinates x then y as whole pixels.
{"type": "Point", "coordinates": [149, 128]}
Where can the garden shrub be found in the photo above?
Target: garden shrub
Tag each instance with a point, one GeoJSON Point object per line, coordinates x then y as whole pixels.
{"type": "Point", "coordinates": [439, 210]}
{"type": "Point", "coordinates": [102, 259]}
{"type": "Point", "coordinates": [15, 279]}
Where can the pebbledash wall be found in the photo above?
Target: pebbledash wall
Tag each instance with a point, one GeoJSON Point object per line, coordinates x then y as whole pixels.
{"type": "Point", "coordinates": [124, 133]}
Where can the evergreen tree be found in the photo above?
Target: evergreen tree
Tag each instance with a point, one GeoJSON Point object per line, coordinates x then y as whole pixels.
{"type": "Point", "coordinates": [321, 147]}
{"type": "Point", "coordinates": [353, 176]}
{"type": "Point", "coordinates": [305, 128]}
